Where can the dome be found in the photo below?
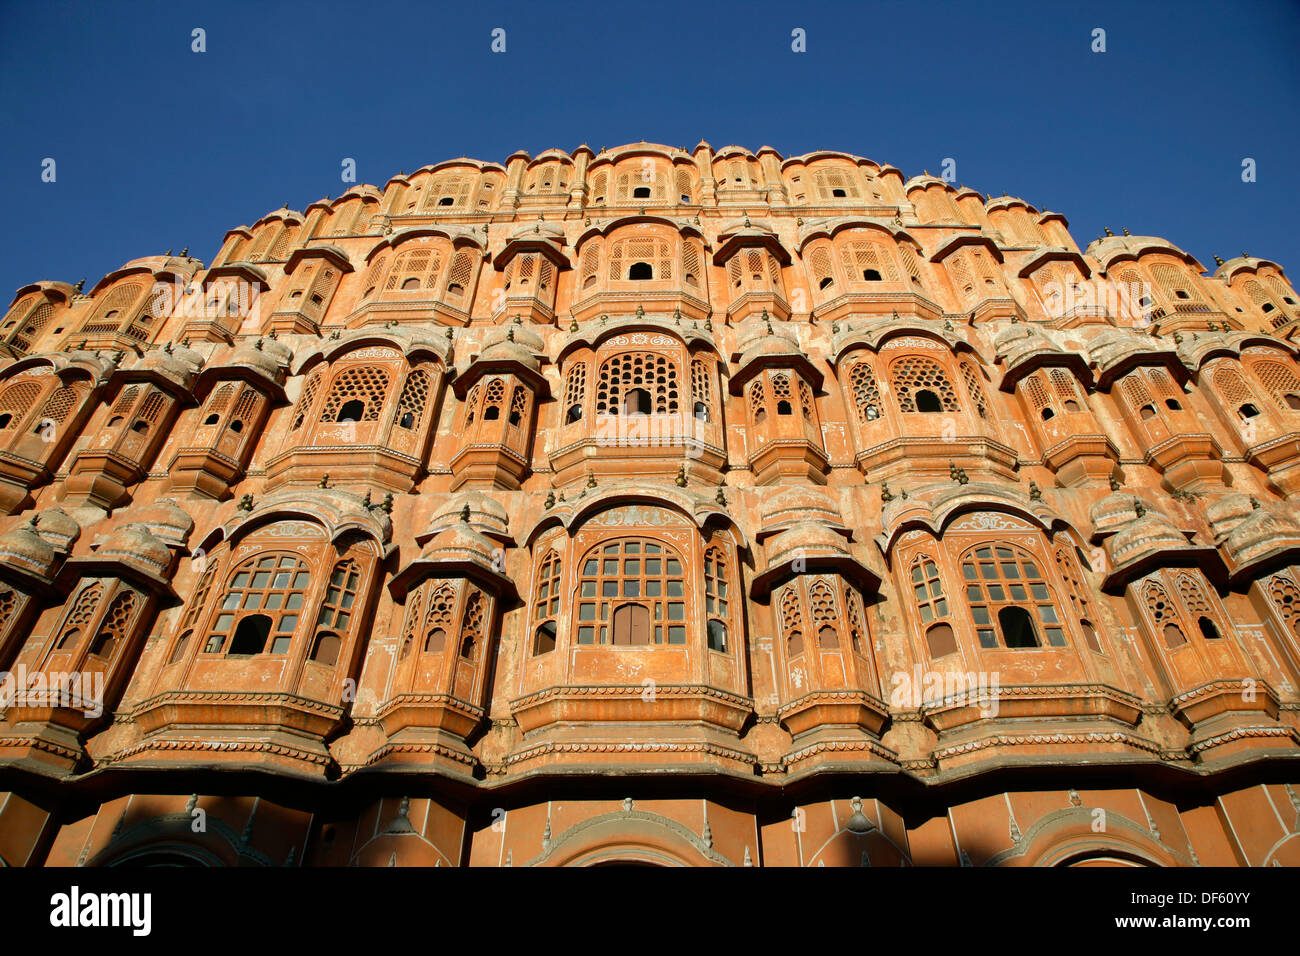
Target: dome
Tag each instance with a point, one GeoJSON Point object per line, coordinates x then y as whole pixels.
{"type": "Point", "coordinates": [1147, 535]}
{"type": "Point", "coordinates": [799, 503]}
{"type": "Point", "coordinates": [806, 539]}
{"type": "Point", "coordinates": [58, 527]}
{"type": "Point", "coordinates": [1227, 513]}
{"type": "Point", "coordinates": [26, 549]}
{"type": "Point", "coordinates": [485, 513]}
{"type": "Point", "coordinates": [167, 521]}
{"type": "Point", "coordinates": [538, 230]}
{"type": "Point", "coordinates": [504, 351]}
{"type": "Point", "coordinates": [461, 542]}
{"type": "Point", "coordinates": [257, 356]}
{"type": "Point", "coordinates": [135, 544]}
{"type": "Point", "coordinates": [770, 345]}
{"type": "Point", "coordinates": [1115, 511]}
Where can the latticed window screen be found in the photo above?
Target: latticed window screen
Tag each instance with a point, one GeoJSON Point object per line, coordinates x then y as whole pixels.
{"type": "Point", "coordinates": [8, 601]}
{"type": "Point", "coordinates": [279, 250]}
{"type": "Point", "coordinates": [701, 388]}
{"type": "Point", "coordinates": [792, 626]}
{"type": "Point", "coordinates": [373, 273]}
{"type": "Point", "coordinates": [632, 591]}
{"type": "Point", "coordinates": [1171, 281]}
{"type": "Point", "coordinates": [471, 629]}
{"type": "Point", "coordinates": [545, 275]}
{"type": "Point", "coordinates": [1163, 383]}
{"type": "Point", "coordinates": [117, 305]}
{"type": "Point", "coordinates": [690, 263]}
{"type": "Point", "coordinates": [825, 615]}
{"type": "Point", "coordinates": [1002, 580]}
{"type": "Point", "coordinates": [820, 260]}
{"type": "Point", "coordinates": [1037, 393]}
{"type": "Point", "coordinates": [1193, 596]}
{"type": "Point", "coordinates": [910, 264]}
{"type": "Point", "coordinates": [1067, 389]}
{"type": "Point", "coordinates": [1164, 613]}
{"type": "Point", "coordinates": [151, 407]}
{"type": "Point", "coordinates": [518, 405]}
{"type": "Point", "coordinates": [268, 591]}
{"type": "Point", "coordinates": [448, 192]}
{"type": "Point", "coordinates": [806, 403]}
{"type": "Point", "coordinates": [221, 398]}
{"type": "Point", "coordinates": [126, 400]}
{"type": "Point", "coordinates": [859, 258]}
{"type": "Point", "coordinates": [1232, 387]}
{"type": "Point", "coordinates": [1280, 289]}
{"type": "Point", "coordinates": [410, 406]}
{"type": "Point", "coordinates": [757, 407]}
{"type": "Point", "coordinates": [1077, 588]}
{"type": "Point", "coordinates": [414, 269]}
{"type": "Point", "coordinates": [972, 380]}
{"type": "Point", "coordinates": [458, 276]}
{"type": "Point", "coordinates": [647, 371]}
{"type": "Point", "coordinates": [365, 384]}
{"type": "Point", "coordinates": [546, 603]}
{"type": "Point", "coordinates": [1135, 392]}
{"type": "Point", "coordinates": [438, 618]}
{"type": "Point", "coordinates": [113, 626]}
{"type": "Point", "coordinates": [961, 274]}
{"type": "Point", "coordinates": [31, 326]}
{"type": "Point", "coordinates": [625, 253]}
{"type": "Point", "coordinates": [599, 187]}
{"type": "Point", "coordinates": [715, 598]}
{"type": "Point", "coordinates": [82, 611]}
{"type": "Point", "coordinates": [18, 311]}
{"type": "Point", "coordinates": [471, 403]}
{"type": "Point", "coordinates": [1286, 598]}
{"type": "Point", "coordinates": [493, 399]}
{"type": "Point", "coordinates": [683, 180]}
{"type": "Point", "coordinates": [60, 405]}
{"type": "Point", "coordinates": [1281, 382]}
{"type": "Point", "coordinates": [16, 401]}
{"type": "Point", "coordinates": [780, 383]}
{"type": "Point", "coordinates": [244, 409]}
{"type": "Point", "coordinates": [866, 394]}
{"type": "Point", "coordinates": [590, 263]}
{"type": "Point", "coordinates": [308, 396]}
{"type": "Point", "coordinates": [857, 624]}
{"type": "Point", "coordinates": [340, 596]}
{"type": "Point", "coordinates": [916, 373]}
{"type": "Point", "coordinates": [575, 389]}
{"type": "Point", "coordinates": [835, 184]}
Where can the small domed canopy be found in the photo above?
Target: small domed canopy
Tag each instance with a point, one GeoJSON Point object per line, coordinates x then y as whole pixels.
{"type": "Point", "coordinates": [1114, 249]}
{"type": "Point", "coordinates": [743, 233]}
{"type": "Point", "coordinates": [68, 366]}
{"type": "Point", "coordinates": [1114, 512]}
{"type": "Point", "coordinates": [700, 509]}
{"type": "Point", "coordinates": [244, 272]}
{"type": "Point", "coordinates": [830, 227]}
{"type": "Point", "coordinates": [171, 368]}
{"type": "Point", "coordinates": [25, 554]}
{"type": "Point", "coordinates": [959, 242]}
{"type": "Point", "coordinates": [544, 237]}
{"type": "Point", "coordinates": [809, 547]}
{"type": "Point", "coordinates": [458, 235]}
{"type": "Point", "coordinates": [166, 521]}
{"type": "Point", "coordinates": [263, 363]}
{"type": "Point", "coordinates": [459, 551]}
{"type": "Point", "coordinates": [800, 503]}
{"type": "Point", "coordinates": [1152, 542]}
{"type": "Point", "coordinates": [1055, 254]}
{"type": "Point", "coordinates": [1254, 538]}
{"type": "Point", "coordinates": [1198, 348]}
{"type": "Point", "coordinates": [1228, 271]}
{"type": "Point", "coordinates": [486, 515]}
{"type": "Point", "coordinates": [160, 268]}
{"type": "Point", "coordinates": [59, 528]}
{"type": "Point", "coordinates": [54, 290]}
{"type": "Point", "coordinates": [1007, 202]}
{"type": "Point", "coordinates": [503, 356]}
{"type": "Point", "coordinates": [331, 254]}
{"type": "Point", "coordinates": [130, 552]}
{"type": "Point", "coordinates": [772, 351]}
{"type": "Point", "coordinates": [1023, 349]}
{"type": "Point", "coordinates": [874, 332]}
{"type": "Point", "coordinates": [1114, 352]}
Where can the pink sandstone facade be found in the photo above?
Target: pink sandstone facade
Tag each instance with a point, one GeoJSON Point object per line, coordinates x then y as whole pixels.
{"type": "Point", "coordinates": [702, 508]}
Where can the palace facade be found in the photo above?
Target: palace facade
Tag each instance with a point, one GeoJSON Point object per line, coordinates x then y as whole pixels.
{"type": "Point", "coordinates": [643, 505]}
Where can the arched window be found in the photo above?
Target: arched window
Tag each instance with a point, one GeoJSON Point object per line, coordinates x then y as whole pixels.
{"type": "Point", "coordinates": [866, 394]}
{"type": "Point", "coordinates": [308, 396]}
{"type": "Point", "coordinates": [414, 269]}
{"type": "Point", "coordinates": [916, 374]}
{"type": "Point", "coordinates": [648, 372]}
{"type": "Point", "coordinates": [74, 625]}
{"type": "Point", "coordinates": [1281, 382]}
{"type": "Point", "coordinates": [16, 401]}
{"type": "Point", "coordinates": [113, 627]}
{"type": "Point", "coordinates": [1077, 591]}
{"type": "Point", "coordinates": [494, 398]}
{"type": "Point", "coordinates": [757, 406]}
{"type": "Point", "coordinates": [471, 631]}
{"type": "Point", "coordinates": [792, 625]}
{"type": "Point", "coordinates": [641, 270]}
{"type": "Point", "coordinates": [263, 601]}
{"type": "Point", "coordinates": [631, 591]}
{"type": "Point", "coordinates": [1286, 598]}
{"type": "Point", "coordinates": [715, 599]}
{"type": "Point", "coordinates": [826, 619]}
{"type": "Point", "coordinates": [546, 603]}
{"type": "Point", "coordinates": [701, 389]}
{"type": "Point", "coordinates": [356, 395]}
{"type": "Point", "coordinates": [575, 392]}
{"type": "Point", "coordinates": [337, 608]}
{"type": "Point", "coordinates": [410, 406]}
{"type": "Point", "coordinates": [518, 405]}
{"type": "Point", "coordinates": [437, 620]}
{"type": "Point", "coordinates": [197, 603]}
{"type": "Point", "coordinates": [781, 393]}
{"type": "Point", "coordinates": [1001, 578]}
{"type": "Point", "coordinates": [1164, 614]}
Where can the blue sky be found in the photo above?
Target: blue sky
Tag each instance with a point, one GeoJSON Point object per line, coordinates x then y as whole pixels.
{"type": "Point", "coordinates": [159, 147]}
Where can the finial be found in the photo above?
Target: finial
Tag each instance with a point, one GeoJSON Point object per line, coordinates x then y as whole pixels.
{"type": "Point", "coordinates": [1243, 254]}
{"type": "Point", "coordinates": [895, 315]}
{"type": "Point", "coordinates": [550, 500]}
{"type": "Point", "coordinates": [366, 502]}
{"type": "Point", "coordinates": [518, 319]}
{"type": "Point", "coordinates": [640, 310]}
{"type": "Point", "coordinates": [573, 325]}
{"type": "Point", "coordinates": [169, 252]}
{"type": "Point", "coordinates": [591, 480]}
{"type": "Point", "coordinates": [1035, 493]}
{"type": "Point", "coordinates": [835, 328]}
{"type": "Point", "coordinates": [1178, 339]}
{"type": "Point", "coordinates": [720, 498]}
{"type": "Point", "coordinates": [449, 333]}
{"type": "Point", "coordinates": [957, 474]}
{"type": "Point", "coordinates": [604, 318]}
{"type": "Point", "coordinates": [677, 316]}
{"type": "Point", "coordinates": [325, 480]}
{"type": "Point", "coordinates": [1109, 234]}
{"type": "Point", "coordinates": [708, 324]}
{"type": "Point", "coordinates": [464, 514]}
{"type": "Point", "coordinates": [1139, 509]}
{"type": "Point", "coordinates": [258, 345]}
{"type": "Point", "coordinates": [1218, 261]}
{"type": "Point", "coordinates": [798, 221]}
{"type": "Point", "coordinates": [680, 480]}
{"type": "Point", "coordinates": [246, 503]}
{"type": "Point", "coordinates": [1114, 482]}
{"type": "Point", "coordinates": [886, 495]}
{"type": "Point", "coordinates": [746, 222]}
{"type": "Point", "coordinates": [386, 506]}
{"type": "Point", "coordinates": [510, 334]}
{"type": "Point", "coordinates": [947, 325]}
{"type": "Point", "coordinates": [1254, 506]}
{"type": "Point", "coordinates": [1124, 229]}
{"type": "Point", "coordinates": [186, 252]}
{"type": "Point", "coordinates": [81, 284]}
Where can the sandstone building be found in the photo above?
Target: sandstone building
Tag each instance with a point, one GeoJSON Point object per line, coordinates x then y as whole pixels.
{"type": "Point", "coordinates": [643, 505]}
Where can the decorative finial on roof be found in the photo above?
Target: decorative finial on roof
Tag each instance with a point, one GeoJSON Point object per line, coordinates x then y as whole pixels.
{"type": "Point", "coordinates": [1139, 509]}
{"type": "Point", "coordinates": [1109, 234]}
{"type": "Point", "coordinates": [366, 502]}
{"type": "Point", "coordinates": [720, 498]}
{"type": "Point", "coordinates": [81, 284]}
{"type": "Point", "coordinates": [747, 222]}
{"type": "Point", "coordinates": [957, 474]}
{"type": "Point", "coordinates": [640, 310]}
{"type": "Point", "coordinates": [1243, 254]}
{"type": "Point", "coordinates": [464, 514]}
{"type": "Point", "coordinates": [325, 480]}
{"type": "Point", "coordinates": [895, 315]}
{"type": "Point", "coordinates": [449, 335]}
{"type": "Point", "coordinates": [573, 325]}
{"type": "Point", "coordinates": [677, 316]}
{"type": "Point", "coordinates": [1015, 319]}
{"type": "Point", "coordinates": [1114, 482]}
{"type": "Point", "coordinates": [588, 222]}
{"type": "Point", "coordinates": [1178, 339]}
{"type": "Point", "coordinates": [550, 500]}
{"type": "Point", "coordinates": [169, 252]}
{"type": "Point", "coordinates": [1035, 493]}
{"type": "Point", "coordinates": [886, 496]}
{"type": "Point", "coordinates": [167, 347]}
{"type": "Point", "coordinates": [1254, 506]}
{"type": "Point", "coordinates": [798, 220]}
{"type": "Point", "coordinates": [680, 480]}
{"type": "Point", "coordinates": [1218, 261]}
{"type": "Point", "coordinates": [386, 506]}
{"type": "Point", "coordinates": [246, 503]}
{"type": "Point", "coordinates": [186, 252]}
{"type": "Point", "coordinates": [697, 219]}
{"type": "Point", "coordinates": [1124, 229]}
{"type": "Point", "coordinates": [835, 328]}
{"type": "Point", "coordinates": [591, 479]}
{"type": "Point", "coordinates": [510, 334]}
{"type": "Point", "coordinates": [708, 324]}
{"type": "Point", "coordinates": [947, 324]}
